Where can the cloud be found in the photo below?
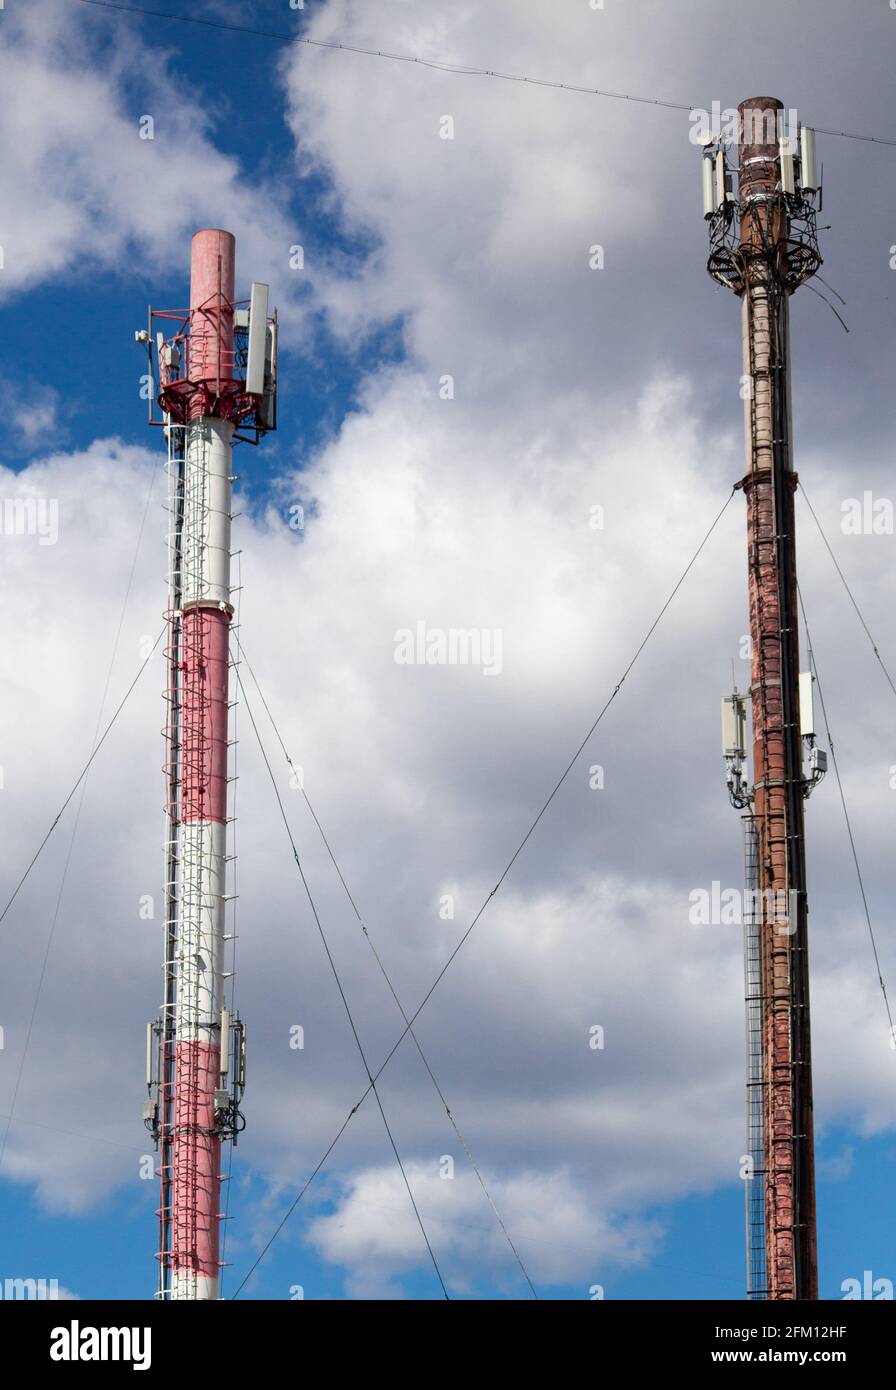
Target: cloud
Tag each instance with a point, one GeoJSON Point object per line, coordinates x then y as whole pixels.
{"type": "Point", "coordinates": [425, 779]}
{"type": "Point", "coordinates": [839, 1166]}
{"type": "Point", "coordinates": [481, 243]}
{"type": "Point", "coordinates": [579, 397]}
{"type": "Point", "coordinates": [374, 1234]}
{"type": "Point", "coordinates": [37, 418]}
{"type": "Point", "coordinates": [81, 187]}
{"type": "Point", "coordinates": [35, 421]}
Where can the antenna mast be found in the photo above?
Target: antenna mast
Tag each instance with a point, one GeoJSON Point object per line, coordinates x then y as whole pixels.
{"type": "Point", "coordinates": [763, 246]}
{"type": "Point", "coordinates": [215, 365]}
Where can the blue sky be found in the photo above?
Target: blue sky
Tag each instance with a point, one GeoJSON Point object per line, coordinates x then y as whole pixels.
{"type": "Point", "coordinates": [567, 393]}
{"type": "Point", "coordinates": [105, 306]}
{"type": "Point", "coordinates": [702, 1257]}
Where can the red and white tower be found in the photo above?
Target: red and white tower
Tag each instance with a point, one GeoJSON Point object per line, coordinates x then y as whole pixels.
{"type": "Point", "coordinates": [216, 375]}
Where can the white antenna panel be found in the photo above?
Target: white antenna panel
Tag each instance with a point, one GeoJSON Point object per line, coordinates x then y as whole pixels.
{"type": "Point", "coordinates": [807, 705]}
{"type": "Point", "coordinates": [785, 149]}
{"type": "Point", "coordinates": [734, 726]}
{"type": "Point", "coordinates": [808, 168]}
{"type": "Point", "coordinates": [258, 339]}
{"type": "Point", "coordinates": [709, 201]}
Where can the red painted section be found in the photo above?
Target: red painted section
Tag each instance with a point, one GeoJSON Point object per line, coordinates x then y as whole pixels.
{"type": "Point", "coordinates": [207, 381]}
{"type": "Point", "coordinates": [212, 263]}
{"type": "Point", "coordinates": [204, 714]}
{"type": "Point", "coordinates": [195, 1230]}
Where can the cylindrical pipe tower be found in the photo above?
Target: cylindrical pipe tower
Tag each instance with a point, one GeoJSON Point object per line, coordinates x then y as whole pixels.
{"type": "Point", "coordinates": [206, 614]}
{"type": "Point", "coordinates": [769, 485]}
{"type": "Point", "coordinates": [216, 365]}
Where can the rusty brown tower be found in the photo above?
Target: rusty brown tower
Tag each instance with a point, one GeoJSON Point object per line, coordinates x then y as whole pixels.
{"type": "Point", "coordinates": [763, 245]}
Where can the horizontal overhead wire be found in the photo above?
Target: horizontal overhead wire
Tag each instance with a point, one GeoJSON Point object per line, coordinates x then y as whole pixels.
{"type": "Point", "coordinates": [471, 70]}
{"type": "Point", "coordinates": [440, 65]}
{"type": "Point", "coordinates": [510, 863]}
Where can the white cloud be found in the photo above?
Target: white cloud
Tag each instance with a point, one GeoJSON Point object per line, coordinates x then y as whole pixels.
{"type": "Point", "coordinates": [472, 512]}
{"type": "Point", "coordinates": [421, 776]}
{"type": "Point", "coordinates": [81, 190]}
{"type": "Point", "coordinates": [36, 418]}
{"type": "Point", "coordinates": [374, 1234]}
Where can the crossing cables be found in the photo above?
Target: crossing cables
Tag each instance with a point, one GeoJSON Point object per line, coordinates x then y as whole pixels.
{"type": "Point", "coordinates": [371, 1079]}
{"type": "Point", "coordinates": [510, 863]}
{"type": "Point", "coordinates": [385, 973]}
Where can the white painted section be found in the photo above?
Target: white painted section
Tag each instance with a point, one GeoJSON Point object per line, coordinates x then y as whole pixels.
{"type": "Point", "coordinates": [200, 948]}
{"type": "Point", "coordinates": [187, 1285]}
{"type": "Point", "coordinates": [207, 506]}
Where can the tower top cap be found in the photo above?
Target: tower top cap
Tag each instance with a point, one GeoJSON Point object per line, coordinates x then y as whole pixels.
{"type": "Point", "coordinates": [762, 103]}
